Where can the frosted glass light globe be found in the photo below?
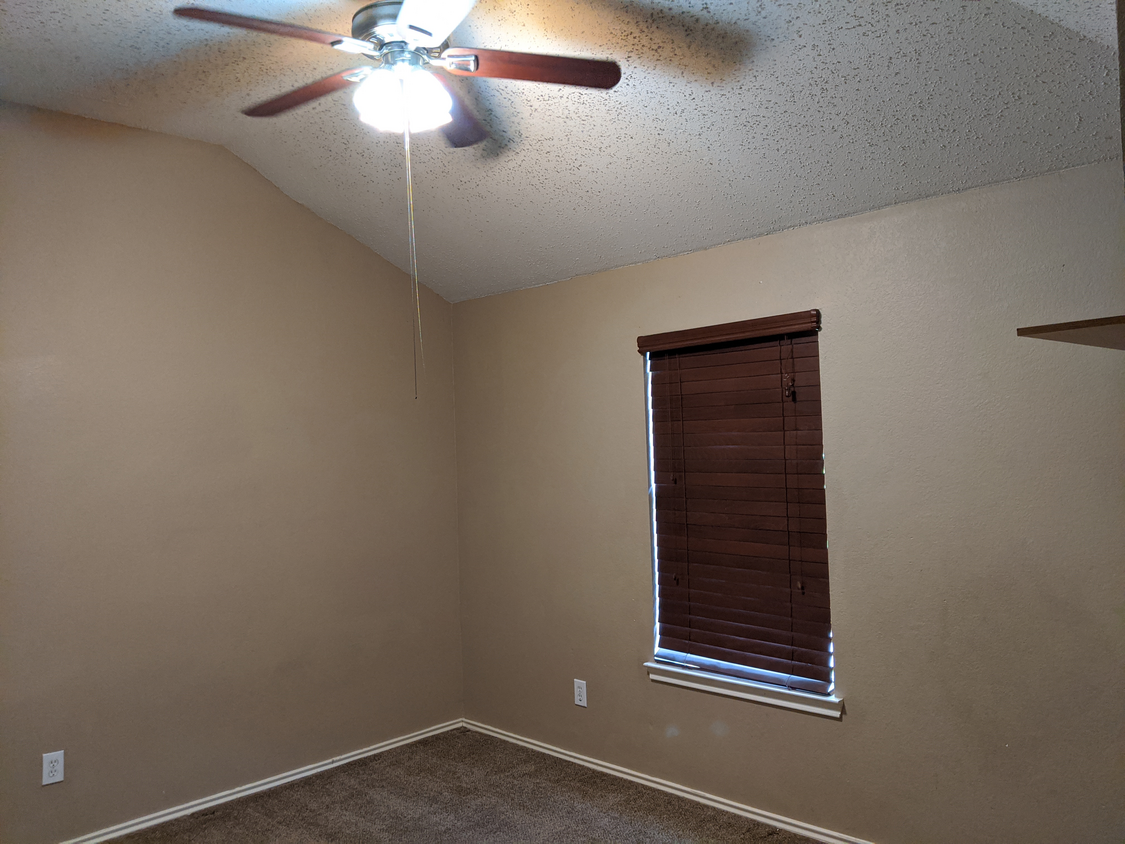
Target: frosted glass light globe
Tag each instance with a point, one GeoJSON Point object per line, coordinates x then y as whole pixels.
{"type": "Point", "coordinates": [379, 99]}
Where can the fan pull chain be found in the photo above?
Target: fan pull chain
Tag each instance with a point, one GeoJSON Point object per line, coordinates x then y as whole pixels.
{"type": "Point", "coordinates": [410, 236]}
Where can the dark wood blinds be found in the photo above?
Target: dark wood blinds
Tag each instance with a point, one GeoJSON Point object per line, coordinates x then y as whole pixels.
{"type": "Point", "coordinates": [741, 546]}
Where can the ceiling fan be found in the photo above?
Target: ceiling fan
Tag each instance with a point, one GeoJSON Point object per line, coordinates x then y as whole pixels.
{"type": "Point", "coordinates": [406, 39]}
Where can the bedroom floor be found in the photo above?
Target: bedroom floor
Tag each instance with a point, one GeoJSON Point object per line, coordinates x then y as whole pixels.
{"type": "Point", "coordinates": [461, 786]}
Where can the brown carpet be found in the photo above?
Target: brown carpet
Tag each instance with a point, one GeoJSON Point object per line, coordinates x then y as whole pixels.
{"type": "Point", "coordinates": [461, 786]}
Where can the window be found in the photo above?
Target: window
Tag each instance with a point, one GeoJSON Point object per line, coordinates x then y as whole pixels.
{"type": "Point", "coordinates": [738, 514]}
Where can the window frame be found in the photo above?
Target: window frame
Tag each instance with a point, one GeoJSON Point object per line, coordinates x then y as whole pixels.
{"type": "Point", "coordinates": [664, 670]}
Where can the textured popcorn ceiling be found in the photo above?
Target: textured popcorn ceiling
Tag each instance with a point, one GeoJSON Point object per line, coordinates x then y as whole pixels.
{"type": "Point", "coordinates": [1093, 18]}
{"type": "Point", "coordinates": [734, 118]}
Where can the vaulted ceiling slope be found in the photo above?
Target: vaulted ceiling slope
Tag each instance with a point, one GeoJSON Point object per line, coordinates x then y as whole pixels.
{"type": "Point", "coordinates": [734, 118]}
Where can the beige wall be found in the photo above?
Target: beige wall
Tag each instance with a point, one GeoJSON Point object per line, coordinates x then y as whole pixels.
{"type": "Point", "coordinates": [976, 519]}
{"type": "Point", "coordinates": [227, 529]}
{"type": "Point", "coordinates": [228, 533]}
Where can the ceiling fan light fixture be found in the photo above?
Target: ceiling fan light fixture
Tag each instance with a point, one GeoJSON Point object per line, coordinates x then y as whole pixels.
{"type": "Point", "coordinates": [378, 99]}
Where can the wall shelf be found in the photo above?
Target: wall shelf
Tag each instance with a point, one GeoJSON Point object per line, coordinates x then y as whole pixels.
{"type": "Point", "coordinates": [1108, 332]}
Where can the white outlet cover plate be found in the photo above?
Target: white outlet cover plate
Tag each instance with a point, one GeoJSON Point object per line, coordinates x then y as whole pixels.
{"type": "Point", "coordinates": [580, 692]}
{"type": "Point", "coordinates": [52, 767]}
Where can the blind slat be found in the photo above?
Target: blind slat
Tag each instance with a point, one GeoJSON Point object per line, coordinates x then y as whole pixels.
{"type": "Point", "coordinates": [753, 466]}
{"type": "Point", "coordinates": [772, 451]}
{"type": "Point", "coordinates": [756, 480]}
{"type": "Point", "coordinates": [723, 586]}
{"type": "Point", "coordinates": [723, 357]}
{"type": "Point", "coordinates": [723, 546]}
{"type": "Point", "coordinates": [708, 493]}
{"type": "Point", "coordinates": [732, 369]}
{"type": "Point", "coordinates": [726, 391]}
{"type": "Point", "coordinates": [767, 385]}
{"type": "Point", "coordinates": [748, 631]}
{"type": "Point", "coordinates": [812, 631]}
{"type": "Point", "coordinates": [669, 398]}
{"type": "Point", "coordinates": [688, 574]}
{"type": "Point", "coordinates": [741, 671]}
{"type": "Point", "coordinates": [757, 406]}
{"type": "Point", "coordinates": [674, 560]}
{"type": "Point", "coordinates": [781, 666]}
{"type": "Point", "coordinates": [735, 520]}
{"type": "Point", "coordinates": [759, 617]}
{"type": "Point", "coordinates": [807, 657]}
{"type": "Point", "coordinates": [763, 410]}
{"type": "Point", "coordinates": [748, 376]}
{"type": "Point", "coordinates": [723, 507]}
{"type": "Point", "coordinates": [674, 527]}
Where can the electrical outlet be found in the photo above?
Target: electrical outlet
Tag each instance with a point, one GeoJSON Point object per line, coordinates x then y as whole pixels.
{"type": "Point", "coordinates": [52, 767]}
{"type": "Point", "coordinates": [579, 692]}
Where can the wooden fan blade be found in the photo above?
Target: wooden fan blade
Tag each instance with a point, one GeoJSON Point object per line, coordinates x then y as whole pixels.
{"type": "Point", "coordinates": [561, 70]}
{"type": "Point", "coordinates": [300, 96]}
{"type": "Point", "coordinates": [287, 30]}
{"type": "Point", "coordinates": [464, 129]}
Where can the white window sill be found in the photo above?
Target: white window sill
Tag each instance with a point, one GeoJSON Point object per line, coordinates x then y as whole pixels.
{"type": "Point", "coordinates": [828, 705]}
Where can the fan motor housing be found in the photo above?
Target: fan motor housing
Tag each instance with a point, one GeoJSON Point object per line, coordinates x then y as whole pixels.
{"type": "Point", "coordinates": [368, 21]}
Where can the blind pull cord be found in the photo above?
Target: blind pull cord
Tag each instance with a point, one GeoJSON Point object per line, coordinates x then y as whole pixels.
{"type": "Point", "coordinates": [789, 393]}
{"type": "Point", "coordinates": [683, 472]}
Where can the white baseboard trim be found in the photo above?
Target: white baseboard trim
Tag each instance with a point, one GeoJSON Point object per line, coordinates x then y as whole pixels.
{"type": "Point", "coordinates": [261, 785]}
{"type": "Point", "coordinates": [801, 828]}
